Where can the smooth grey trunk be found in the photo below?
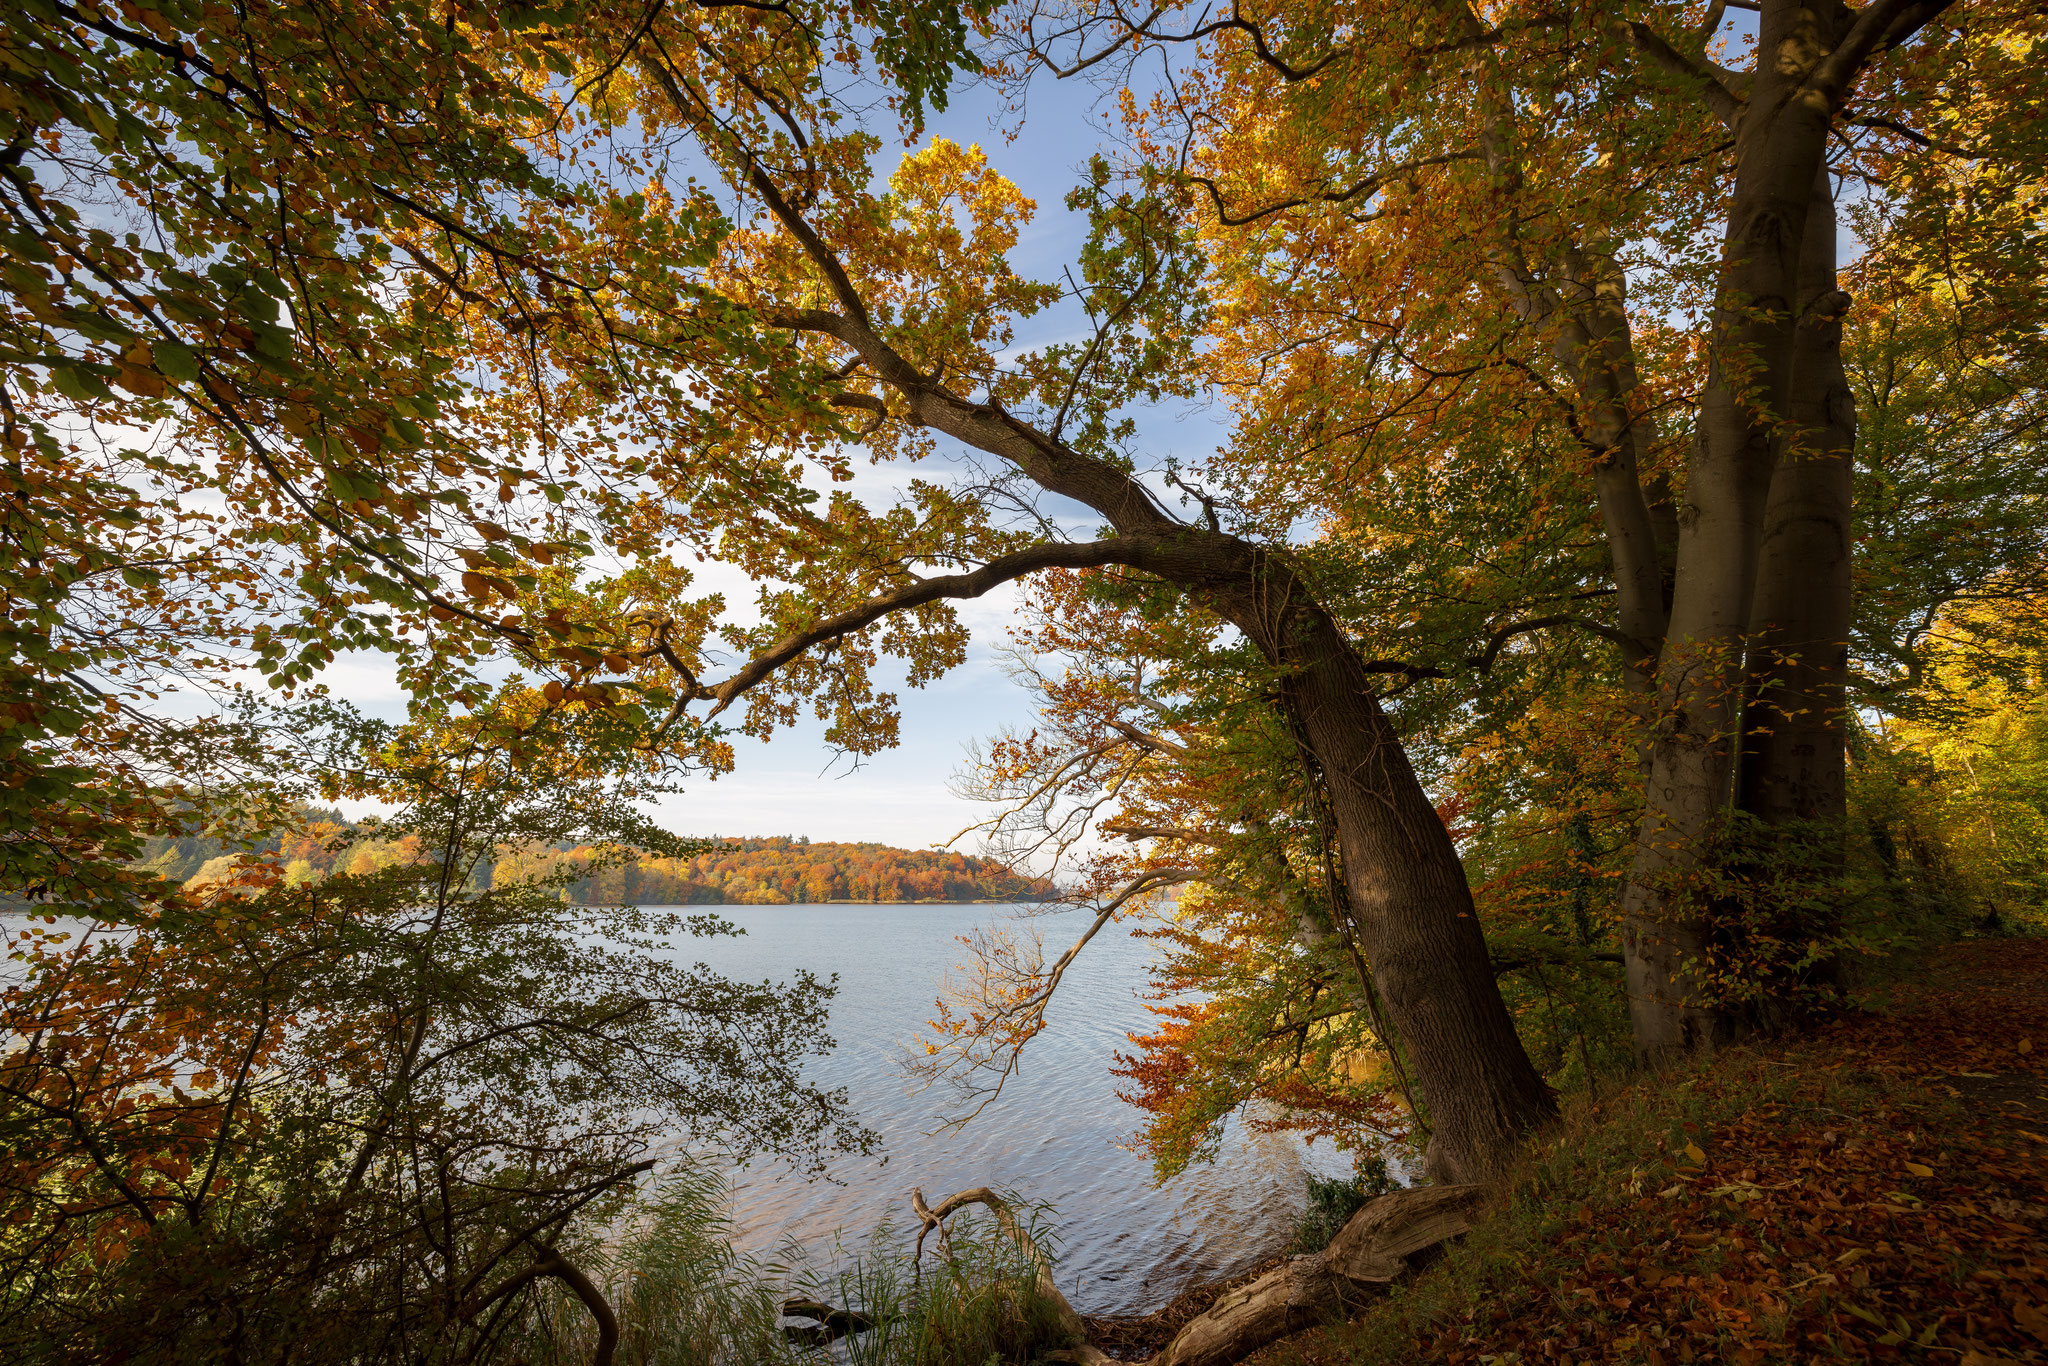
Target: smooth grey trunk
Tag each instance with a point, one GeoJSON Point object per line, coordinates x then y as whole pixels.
{"type": "Point", "coordinates": [1780, 142]}
{"type": "Point", "coordinates": [1794, 761]}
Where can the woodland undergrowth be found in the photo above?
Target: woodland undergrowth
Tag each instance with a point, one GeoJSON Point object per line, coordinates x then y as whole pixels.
{"type": "Point", "coordinates": [1875, 1190]}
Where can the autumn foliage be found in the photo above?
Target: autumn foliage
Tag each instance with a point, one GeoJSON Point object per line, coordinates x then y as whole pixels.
{"type": "Point", "coordinates": [779, 872]}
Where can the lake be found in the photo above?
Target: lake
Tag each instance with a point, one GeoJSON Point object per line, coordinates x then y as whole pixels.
{"type": "Point", "coordinates": [1125, 1245]}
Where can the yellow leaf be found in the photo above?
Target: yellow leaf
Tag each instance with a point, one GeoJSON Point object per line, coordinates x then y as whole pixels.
{"type": "Point", "coordinates": [136, 380]}
{"type": "Point", "coordinates": [1918, 1169]}
{"type": "Point", "coordinates": [1693, 1151]}
{"type": "Point", "coordinates": [2026, 1045]}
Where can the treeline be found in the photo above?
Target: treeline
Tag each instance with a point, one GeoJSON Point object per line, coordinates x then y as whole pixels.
{"type": "Point", "coordinates": [778, 871]}
{"type": "Point", "coordinates": [310, 851]}
{"type": "Point", "coordinates": [782, 871]}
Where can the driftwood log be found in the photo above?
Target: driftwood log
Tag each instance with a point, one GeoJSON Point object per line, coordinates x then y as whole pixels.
{"type": "Point", "coordinates": [1381, 1244]}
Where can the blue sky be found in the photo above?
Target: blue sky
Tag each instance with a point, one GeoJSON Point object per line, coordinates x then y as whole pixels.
{"type": "Point", "coordinates": [792, 785]}
{"type": "Point", "coordinates": [795, 784]}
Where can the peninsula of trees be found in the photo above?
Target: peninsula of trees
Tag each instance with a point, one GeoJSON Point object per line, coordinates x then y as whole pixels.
{"type": "Point", "coordinates": [786, 870]}
{"type": "Point", "coordinates": [780, 870]}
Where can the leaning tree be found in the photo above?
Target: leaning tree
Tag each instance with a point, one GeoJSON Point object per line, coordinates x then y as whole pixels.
{"type": "Point", "coordinates": [418, 305]}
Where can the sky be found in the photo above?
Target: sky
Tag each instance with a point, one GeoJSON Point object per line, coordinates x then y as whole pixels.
{"type": "Point", "coordinates": [795, 784]}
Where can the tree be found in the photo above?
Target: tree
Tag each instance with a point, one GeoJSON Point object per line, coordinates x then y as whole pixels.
{"type": "Point", "coordinates": [323, 333]}
{"type": "Point", "coordinates": [391, 335]}
{"type": "Point", "coordinates": [1432, 232]}
{"type": "Point", "coordinates": [365, 1118]}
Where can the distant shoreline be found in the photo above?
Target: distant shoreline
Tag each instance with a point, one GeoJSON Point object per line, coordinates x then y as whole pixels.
{"type": "Point", "coordinates": [792, 905]}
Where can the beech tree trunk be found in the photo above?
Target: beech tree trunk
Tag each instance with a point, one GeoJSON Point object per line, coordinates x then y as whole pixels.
{"type": "Point", "coordinates": [1794, 761]}
{"type": "Point", "coordinates": [1694, 737]}
{"type": "Point", "coordinates": [1415, 920]}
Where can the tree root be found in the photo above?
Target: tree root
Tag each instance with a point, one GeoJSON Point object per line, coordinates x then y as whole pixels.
{"type": "Point", "coordinates": [1382, 1243]}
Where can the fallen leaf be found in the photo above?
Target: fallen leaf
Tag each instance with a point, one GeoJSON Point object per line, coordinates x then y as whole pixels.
{"type": "Point", "coordinates": [1693, 1151]}
{"type": "Point", "coordinates": [1919, 1169]}
{"type": "Point", "coordinates": [2031, 1318]}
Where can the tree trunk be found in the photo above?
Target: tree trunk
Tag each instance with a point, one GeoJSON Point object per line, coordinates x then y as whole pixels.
{"type": "Point", "coordinates": [1794, 762]}
{"type": "Point", "coordinates": [1415, 920]}
{"type": "Point", "coordinates": [1417, 926]}
{"type": "Point", "coordinates": [1793, 772]}
{"type": "Point", "coordinates": [1666, 935]}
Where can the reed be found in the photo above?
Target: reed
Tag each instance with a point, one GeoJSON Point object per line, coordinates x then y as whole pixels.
{"type": "Point", "coordinates": [683, 1296]}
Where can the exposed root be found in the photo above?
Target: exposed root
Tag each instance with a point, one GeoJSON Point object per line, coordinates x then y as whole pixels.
{"type": "Point", "coordinates": [1381, 1244]}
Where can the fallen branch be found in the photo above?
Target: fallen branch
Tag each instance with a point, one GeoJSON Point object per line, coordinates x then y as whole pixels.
{"type": "Point", "coordinates": [1383, 1243]}
{"type": "Point", "coordinates": [930, 1219]}
{"type": "Point", "coordinates": [832, 1324]}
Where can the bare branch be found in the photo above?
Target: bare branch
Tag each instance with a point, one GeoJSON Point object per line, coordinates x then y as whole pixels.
{"type": "Point", "coordinates": [1004, 1029]}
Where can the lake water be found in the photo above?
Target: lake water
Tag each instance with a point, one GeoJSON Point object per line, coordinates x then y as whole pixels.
{"type": "Point", "coordinates": [1125, 1245]}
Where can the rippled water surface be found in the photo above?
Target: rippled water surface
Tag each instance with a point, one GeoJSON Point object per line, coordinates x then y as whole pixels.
{"type": "Point", "coordinates": [1052, 1136]}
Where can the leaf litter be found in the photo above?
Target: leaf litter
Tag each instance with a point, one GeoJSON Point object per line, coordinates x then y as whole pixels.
{"type": "Point", "coordinates": [1875, 1190]}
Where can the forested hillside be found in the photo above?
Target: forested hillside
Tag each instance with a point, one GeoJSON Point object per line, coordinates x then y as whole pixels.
{"type": "Point", "coordinates": [777, 871]}
{"type": "Point", "coordinates": [784, 871]}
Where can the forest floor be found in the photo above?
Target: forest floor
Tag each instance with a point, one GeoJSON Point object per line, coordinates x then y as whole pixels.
{"type": "Point", "coordinates": [1874, 1190]}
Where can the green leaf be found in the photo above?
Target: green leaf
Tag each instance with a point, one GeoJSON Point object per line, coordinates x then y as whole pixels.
{"type": "Point", "coordinates": [176, 361]}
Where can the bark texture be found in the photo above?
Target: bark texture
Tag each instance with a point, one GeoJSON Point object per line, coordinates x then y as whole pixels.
{"type": "Point", "coordinates": [1413, 913]}
{"type": "Point", "coordinates": [1780, 141]}
{"type": "Point", "coordinates": [1794, 763]}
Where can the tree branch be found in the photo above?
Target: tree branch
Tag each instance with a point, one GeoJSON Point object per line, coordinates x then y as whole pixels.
{"type": "Point", "coordinates": [1146, 738]}
{"type": "Point", "coordinates": [1882, 25]}
{"type": "Point", "coordinates": [1918, 138]}
{"type": "Point", "coordinates": [1724, 102]}
{"type": "Point", "coordinates": [999, 571]}
{"type": "Point", "coordinates": [1163, 832]}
